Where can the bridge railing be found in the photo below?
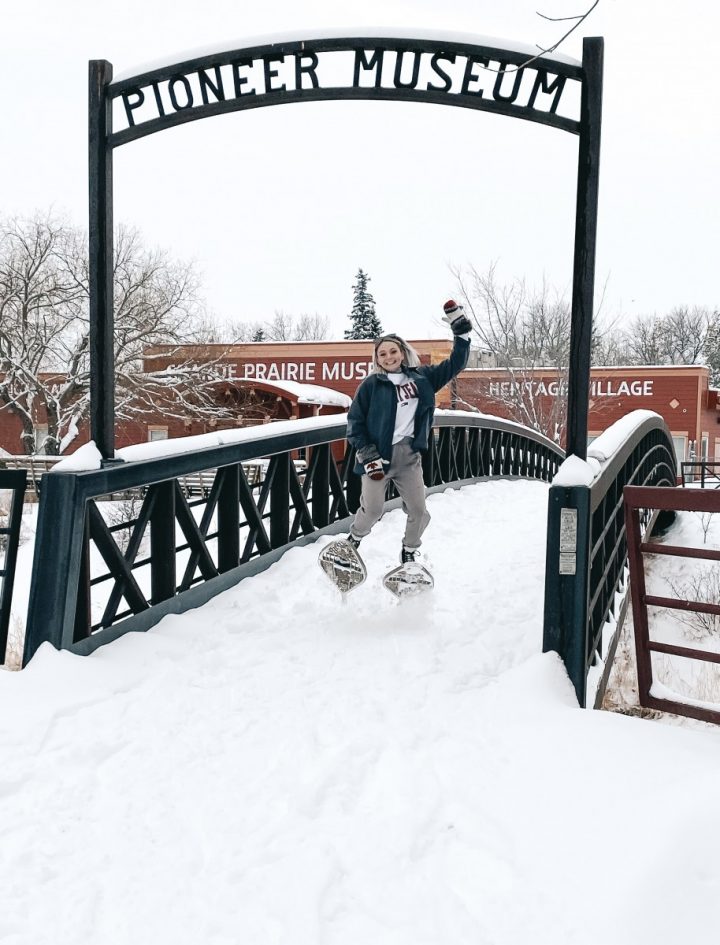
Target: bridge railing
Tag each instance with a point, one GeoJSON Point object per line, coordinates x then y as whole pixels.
{"type": "Point", "coordinates": [13, 483]}
{"type": "Point", "coordinates": [586, 566]}
{"type": "Point", "coordinates": [704, 472]}
{"type": "Point", "coordinates": [96, 577]}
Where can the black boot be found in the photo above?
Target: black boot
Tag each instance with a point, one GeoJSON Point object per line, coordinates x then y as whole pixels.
{"type": "Point", "coordinates": [355, 542]}
{"type": "Point", "coordinates": [408, 555]}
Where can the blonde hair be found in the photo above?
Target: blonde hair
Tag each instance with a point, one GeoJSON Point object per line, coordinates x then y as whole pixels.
{"type": "Point", "coordinates": [411, 358]}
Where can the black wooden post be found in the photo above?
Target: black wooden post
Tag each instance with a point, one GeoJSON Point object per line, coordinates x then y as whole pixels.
{"type": "Point", "coordinates": [320, 501]}
{"type": "Point", "coordinates": [100, 164]}
{"type": "Point", "coordinates": [279, 472]}
{"type": "Point", "coordinates": [228, 511]}
{"type": "Point", "coordinates": [585, 236]}
{"type": "Point", "coordinates": [163, 576]}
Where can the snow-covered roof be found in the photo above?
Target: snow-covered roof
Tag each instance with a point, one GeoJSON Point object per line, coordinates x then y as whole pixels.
{"type": "Point", "coordinates": [302, 393]}
{"type": "Point", "coordinates": [371, 32]}
{"type": "Point", "coordinates": [549, 369]}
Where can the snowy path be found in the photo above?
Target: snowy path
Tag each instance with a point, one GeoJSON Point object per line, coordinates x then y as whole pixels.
{"type": "Point", "coordinates": [279, 769]}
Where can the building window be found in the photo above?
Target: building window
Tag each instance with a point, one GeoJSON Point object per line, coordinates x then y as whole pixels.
{"type": "Point", "coordinates": [680, 444]}
{"type": "Point", "coordinates": [157, 433]}
{"type": "Point", "coordinates": [41, 432]}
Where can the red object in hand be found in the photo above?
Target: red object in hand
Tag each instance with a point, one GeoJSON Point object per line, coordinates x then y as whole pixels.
{"type": "Point", "coordinates": [374, 469]}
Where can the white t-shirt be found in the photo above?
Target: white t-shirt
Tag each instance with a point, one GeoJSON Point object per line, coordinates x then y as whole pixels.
{"type": "Point", "coordinates": [407, 401]}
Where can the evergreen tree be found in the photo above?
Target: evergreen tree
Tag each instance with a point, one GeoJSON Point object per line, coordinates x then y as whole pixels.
{"type": "Point", "coordinates": [259, 334]}
{"type": "Point", "coordinates": [365, 323]}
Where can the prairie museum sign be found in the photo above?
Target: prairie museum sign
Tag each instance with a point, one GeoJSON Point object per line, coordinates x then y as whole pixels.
{"type": "Point", "coordinates": [340, 365]}
{"type": "Point", "coordinates": [310, 372]}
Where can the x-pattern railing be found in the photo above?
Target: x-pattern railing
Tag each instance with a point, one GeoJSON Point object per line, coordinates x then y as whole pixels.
{"type": "Point", "coordinates": [95, 579]}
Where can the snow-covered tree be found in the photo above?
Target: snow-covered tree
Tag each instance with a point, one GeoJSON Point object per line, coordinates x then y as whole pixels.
{"type": "Point", "coordinates": [365, 322]}
{"type": "Point", "coordinates": [524, 331]}
{"type": "Point", "coordinates": [44, 331]}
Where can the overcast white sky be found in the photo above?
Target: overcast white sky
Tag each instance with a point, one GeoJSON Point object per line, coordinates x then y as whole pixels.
{"type": "Point", "coordinates": [280, 206]}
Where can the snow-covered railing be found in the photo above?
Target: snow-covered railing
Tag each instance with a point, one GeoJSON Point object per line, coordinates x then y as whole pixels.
{"type": "Point", "coordinates": [35, 466]}
{"type": "Point", "coordinates": [585, 576]}
{"type": "Point", "coordinates": [103, 569]}
{"type": "Point", "coordinates": [13, 483]}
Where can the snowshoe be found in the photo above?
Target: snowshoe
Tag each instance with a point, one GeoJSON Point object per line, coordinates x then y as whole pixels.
{"type": "Point", "coordinates": [343, 565]}
{"type": "Point", "coordinates": [408, 579]}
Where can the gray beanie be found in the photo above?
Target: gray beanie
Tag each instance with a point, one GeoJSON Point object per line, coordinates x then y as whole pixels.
{"type": "Point", "coordinates": [410, 355]}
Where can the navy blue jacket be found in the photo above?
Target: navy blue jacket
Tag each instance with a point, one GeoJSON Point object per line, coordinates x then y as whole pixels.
{"type": "Point", "coordinates": [371, 418]}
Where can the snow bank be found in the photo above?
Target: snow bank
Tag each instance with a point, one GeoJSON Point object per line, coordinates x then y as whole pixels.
{"type": "Point", "coordinates": [279, 768]}
{"type": "Point", "coordinates": [85, 457]}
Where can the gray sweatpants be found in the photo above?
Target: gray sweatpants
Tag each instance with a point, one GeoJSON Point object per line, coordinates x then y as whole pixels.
{"type": "Point", "coordinates": [405, 471]}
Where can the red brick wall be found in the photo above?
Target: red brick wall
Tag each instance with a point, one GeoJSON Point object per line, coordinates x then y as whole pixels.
{"type": "Point", "coordinates": [678, 394]}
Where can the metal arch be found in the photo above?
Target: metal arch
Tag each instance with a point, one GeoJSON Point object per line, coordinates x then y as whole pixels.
{"type": "Point", "coordinates": [196, 89]}
{"type": "Point", "coordinates": [551, 75]}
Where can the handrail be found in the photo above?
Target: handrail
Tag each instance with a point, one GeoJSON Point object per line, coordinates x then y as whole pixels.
{"type": "Point", "coordinates": [234, 531]}
{"type": "Point", "coordinates": [14, 481]}
{"type": "Point", "coordinates": [637, 498]}
{"type": "Point", "coordinates": [585, 577]}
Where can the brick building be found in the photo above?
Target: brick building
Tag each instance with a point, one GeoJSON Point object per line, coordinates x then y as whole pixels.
{"type": "Point", "coordinates": [262, 381]}
{"type": "Point", "coordinates": [278, 381]}
{"type": "Point", "coordinates": [679, 393]}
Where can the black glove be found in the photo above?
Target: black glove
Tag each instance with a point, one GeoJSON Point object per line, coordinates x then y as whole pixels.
{"type": "Point", "coordinates": [456, 318]}
{"type": "Point", "coordinates": [372, 461]}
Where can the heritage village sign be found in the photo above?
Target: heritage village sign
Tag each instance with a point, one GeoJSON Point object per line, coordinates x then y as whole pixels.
{"type": "Point", "coordinates": [438, 68]}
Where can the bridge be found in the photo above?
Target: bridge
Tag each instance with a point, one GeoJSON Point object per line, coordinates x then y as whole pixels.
{"type": "Point", "coordinates": [279, 766]}
{"type": "Point", "coordinates": [98, 574]}
{"type": "Point", "coordinates": [270, 765]}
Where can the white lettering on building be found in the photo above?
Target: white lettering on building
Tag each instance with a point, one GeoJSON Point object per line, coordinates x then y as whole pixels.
{"type": "Point", "coordinates": [604, 387]}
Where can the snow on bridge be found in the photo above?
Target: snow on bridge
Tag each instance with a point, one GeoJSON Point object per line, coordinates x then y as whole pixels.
{"type": "Point", "coordinates": [278, 767]}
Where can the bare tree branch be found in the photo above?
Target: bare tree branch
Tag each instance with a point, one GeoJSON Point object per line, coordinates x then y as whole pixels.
{"type": "Point", "coordinates": [44, 331]}
{"type": "Point", "coordinates": [580, 18]}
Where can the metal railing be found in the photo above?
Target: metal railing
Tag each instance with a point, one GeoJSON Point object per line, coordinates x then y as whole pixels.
{"type": "Point", "coordinates": [637, 499]}
{"type": "Point", "coordinates": [13, 481]}
{"type": "Point", "coordinates": [585, 586]}
{"type": "Point", "coordinates": [95, 579]}
{"type": "Point", "coordinates": [706, 472]}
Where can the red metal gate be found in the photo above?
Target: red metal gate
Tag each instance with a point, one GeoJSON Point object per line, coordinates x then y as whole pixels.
{"type": "Point", "coordinates": [678, 500]}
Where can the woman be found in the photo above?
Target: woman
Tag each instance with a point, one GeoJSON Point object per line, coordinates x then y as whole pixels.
{"type": "Point", "coordinates": [389, 425]}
